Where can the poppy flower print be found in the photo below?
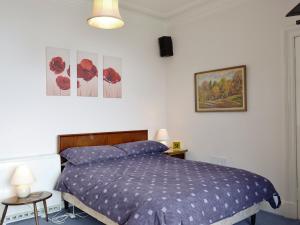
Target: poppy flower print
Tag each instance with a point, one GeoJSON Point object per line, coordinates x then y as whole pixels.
{"type": "Point", "coordinates": [69, 71]}
{"type": "Point", "coordinates": [57, 65]}
{"type": "Point", "coordinates": [87, 74]}
{"type": "Point", "coordinates": [86, 70]}
{"type": "Point", "coordinates": [112, 77]}
{"type": "Point", "coordinates": [63, 82]}
{"type": "Point", "coordinates": [58, 72]}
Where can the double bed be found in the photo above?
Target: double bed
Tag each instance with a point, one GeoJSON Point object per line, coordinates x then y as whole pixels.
{"type": "Point", "coordinates": [156, 189]}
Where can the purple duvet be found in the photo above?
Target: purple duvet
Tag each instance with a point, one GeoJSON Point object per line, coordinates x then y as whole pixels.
{"type": "Point", "coordinates": [160, 190]}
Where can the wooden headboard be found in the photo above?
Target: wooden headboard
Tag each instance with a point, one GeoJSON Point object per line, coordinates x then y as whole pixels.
{"type": "Point", "coordinates": [106, 138]}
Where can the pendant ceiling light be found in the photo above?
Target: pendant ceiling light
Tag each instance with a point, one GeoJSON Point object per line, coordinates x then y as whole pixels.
{"type": "Point", "coordinates": [106, 15]}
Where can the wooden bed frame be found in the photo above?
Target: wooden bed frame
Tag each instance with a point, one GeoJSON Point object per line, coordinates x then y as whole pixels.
{"type": "Point", "coordinates": [112, 138]}
{"type": "Point", "coordinates": [105, 138]}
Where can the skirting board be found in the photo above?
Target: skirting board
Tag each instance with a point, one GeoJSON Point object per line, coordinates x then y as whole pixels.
{"type": "Point", "coordinates": [29, 214]}
{"type": "Point", "coordinates": [287, 209]}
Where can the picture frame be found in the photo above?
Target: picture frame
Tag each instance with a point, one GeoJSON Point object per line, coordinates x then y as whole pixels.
{"type": "Point", "coordinates": [87, 74]}
{"type": "Point", "coordinates": [221, 90]}
{"type": "Point", "coordinates": [58, 72]}
{"type": "Point", "coordinates": [112, 77]}
{"type": "Point", "coordinates": [176, 145]}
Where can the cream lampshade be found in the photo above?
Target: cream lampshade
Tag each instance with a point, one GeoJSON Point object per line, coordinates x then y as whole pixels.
{"type": "Point", "coordinates": [106, 15]}
{"type": "Point", "coordinates": [22, 179]}
{"type": "Point", "coordinates": [162, 136]}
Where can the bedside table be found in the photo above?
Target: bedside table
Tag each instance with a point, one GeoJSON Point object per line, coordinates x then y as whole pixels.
{"type": "Point", "coordinates": [33, 198]}
{"type": "Point", "coordinates": [177, 153]}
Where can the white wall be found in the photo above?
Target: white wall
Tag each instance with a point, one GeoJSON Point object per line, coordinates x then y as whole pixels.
{"type": "Point", "coordinates": [251, 33]}
{"type": "Point", "coordinates": [30, 121]}
{"type": "Point", "coordinates": [247, 32]}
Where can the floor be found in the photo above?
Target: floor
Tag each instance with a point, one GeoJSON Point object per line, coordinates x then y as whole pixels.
{"type": "Point", "coordinates": [263, 218]}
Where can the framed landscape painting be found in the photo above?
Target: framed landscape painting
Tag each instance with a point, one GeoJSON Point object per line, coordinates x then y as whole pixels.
{"type": "Point", "coordinates": [222, 90]}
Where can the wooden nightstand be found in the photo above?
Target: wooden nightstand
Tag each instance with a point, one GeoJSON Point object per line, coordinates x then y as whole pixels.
{"type": "Point", "coordinates": [33, 198]}
{"type": "Point", "coordinates": [177, 153]}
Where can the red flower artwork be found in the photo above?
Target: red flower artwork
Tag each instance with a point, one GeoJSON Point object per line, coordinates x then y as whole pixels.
{"type": "Point", "coordinates": [86, 70]}
{"type": "Point", "coordinates": [111, 76]}
{"type": "Point", "coordinates": [57, 65]}
{"type": "Point", "coordinates": [68, 71]}
{"type": "Point", "coordinates": [63, 82]}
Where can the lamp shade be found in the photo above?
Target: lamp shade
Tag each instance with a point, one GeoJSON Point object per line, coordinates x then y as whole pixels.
{"type": "Point", "coordinates": [162, 135]}
{"type": "Point", "coordinates": [22, 176]}
{"type": "Point", "coordinates": [106, 15]}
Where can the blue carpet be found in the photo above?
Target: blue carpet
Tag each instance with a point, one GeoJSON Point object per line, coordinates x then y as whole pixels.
{"type": "Point", "coordinates": [263, 218]}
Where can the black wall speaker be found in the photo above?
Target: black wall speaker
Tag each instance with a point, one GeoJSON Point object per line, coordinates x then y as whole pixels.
{"type": "Point", "coordinates": [295, 11]}
{"type": "Point", "coordinates": [166, 46]}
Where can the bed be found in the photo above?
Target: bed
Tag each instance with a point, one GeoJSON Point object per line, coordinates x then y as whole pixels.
{"type": "Point", "coordinates": [155, 189]}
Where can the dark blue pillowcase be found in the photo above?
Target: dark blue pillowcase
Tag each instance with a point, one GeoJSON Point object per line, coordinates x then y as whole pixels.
{"type": "Point", "coordinates": [82, 155]}
{"type": "Point", "coordinates": [142, 147]}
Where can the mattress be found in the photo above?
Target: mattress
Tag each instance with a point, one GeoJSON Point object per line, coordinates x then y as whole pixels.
{"type": "Point", "coordinates": [157, 189]}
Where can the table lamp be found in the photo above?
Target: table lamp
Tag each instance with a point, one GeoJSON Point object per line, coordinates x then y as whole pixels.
{"type": "Point", "coordinates": [162, 136]}
{"type": "Point", "coordinates": [22, 180]}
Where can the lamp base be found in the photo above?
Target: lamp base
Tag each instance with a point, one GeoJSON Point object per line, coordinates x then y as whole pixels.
{"type": "Point", "coordinates": [23, 191]}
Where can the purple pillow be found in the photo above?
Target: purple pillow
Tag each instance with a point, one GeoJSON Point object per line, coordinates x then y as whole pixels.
{"type": "Point", "coordinates": [142, 147]}
{"type": "Point", "coordinates": [82, 155]}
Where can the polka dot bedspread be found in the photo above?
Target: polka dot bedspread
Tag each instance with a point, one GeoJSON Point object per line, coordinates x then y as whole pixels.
{"type": "Point", "coordinates": [156, 189]}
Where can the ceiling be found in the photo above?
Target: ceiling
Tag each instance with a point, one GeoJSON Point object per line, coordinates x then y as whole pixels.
{"type": "Point", "coordinates": [162, 8]}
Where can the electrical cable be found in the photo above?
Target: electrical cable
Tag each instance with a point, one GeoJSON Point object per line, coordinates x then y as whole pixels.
{"type": "Point", "coordinates": [61, 219]}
